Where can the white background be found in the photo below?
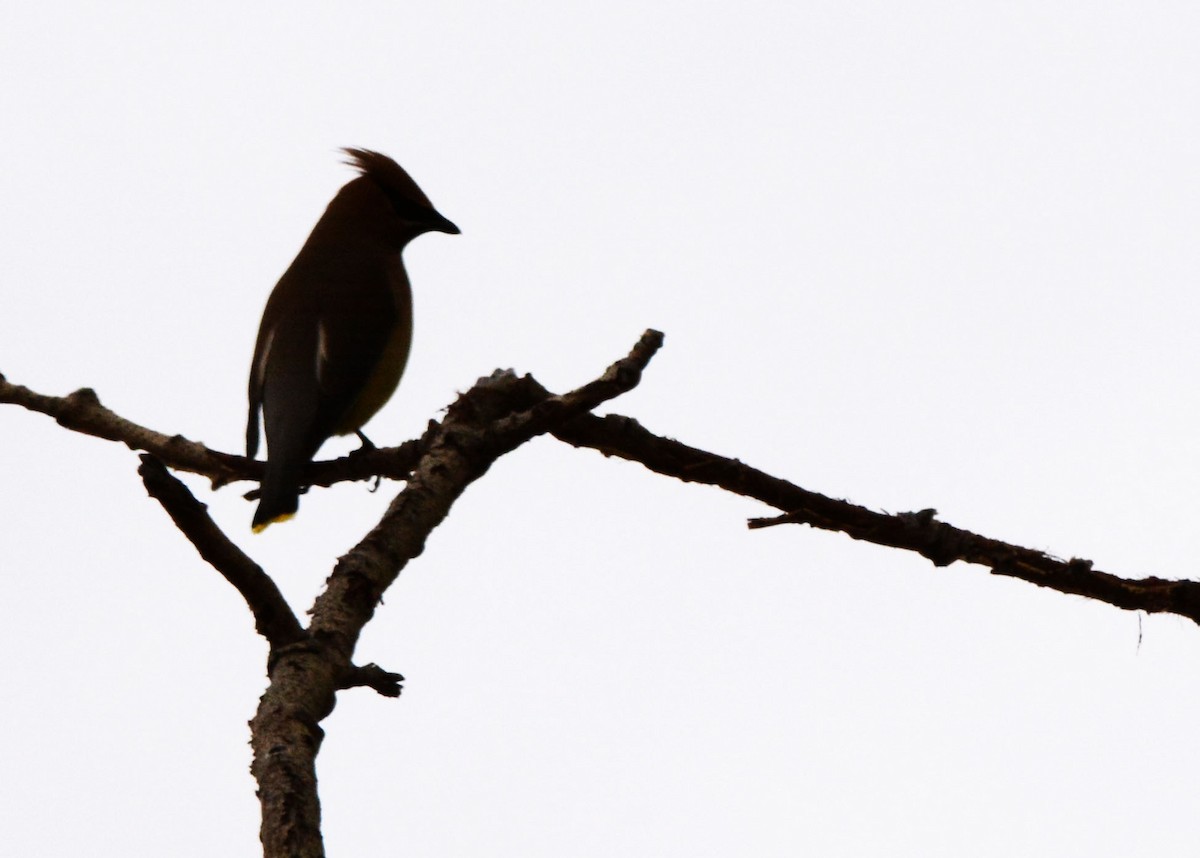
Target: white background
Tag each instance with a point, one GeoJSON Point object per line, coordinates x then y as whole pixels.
{"type": "Point", "coordinates": [915, 255]}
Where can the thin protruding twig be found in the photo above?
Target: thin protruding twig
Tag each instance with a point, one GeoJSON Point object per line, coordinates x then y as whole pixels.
{"type": "Point", "coordinates": [372, 676]}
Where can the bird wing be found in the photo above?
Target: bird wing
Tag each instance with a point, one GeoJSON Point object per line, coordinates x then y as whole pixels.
{"type": "Point", "coordinates": [331, 319]}
{"type": "Point", "coordinates": [355, 322]}
{"type": "Point", "coordinates": [258, 369]}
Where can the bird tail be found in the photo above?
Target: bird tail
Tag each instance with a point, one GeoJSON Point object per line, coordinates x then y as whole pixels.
{"type": "Point", "coordinates": [279, 496]}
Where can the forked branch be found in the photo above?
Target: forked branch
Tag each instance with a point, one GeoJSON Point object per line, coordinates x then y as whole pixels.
{"type": "Point", "coordinates": [308, 666]}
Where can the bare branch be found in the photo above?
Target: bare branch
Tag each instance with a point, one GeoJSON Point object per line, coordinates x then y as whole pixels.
{"type": "Point", "coordinates": [498, 414]}
{"type": "Point", "coordinates": [495, 416]}
{"type": "Point", "coordinates": [83, 412]}
{"type": "Point", "coordinates": [941, 543]}
{"type": "Point", "coordinates": [273, 618]}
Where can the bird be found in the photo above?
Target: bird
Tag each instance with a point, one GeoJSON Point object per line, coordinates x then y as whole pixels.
{"type": "Point", "coordinates": [336, 331]}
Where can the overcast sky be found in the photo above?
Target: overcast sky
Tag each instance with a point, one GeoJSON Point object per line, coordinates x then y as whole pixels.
{"type": "Point", "coordinates": [931, 254]}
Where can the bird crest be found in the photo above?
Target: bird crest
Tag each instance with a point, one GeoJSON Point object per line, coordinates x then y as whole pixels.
{"type": "Point", "coordinates": [386, 173]}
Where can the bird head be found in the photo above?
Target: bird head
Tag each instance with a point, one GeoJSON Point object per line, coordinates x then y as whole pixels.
{"type": "Point", "coordinates": [398, 204]}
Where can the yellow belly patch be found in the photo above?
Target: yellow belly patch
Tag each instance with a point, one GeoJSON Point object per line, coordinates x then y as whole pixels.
{"type": "Point", "coordinates": [380, 385]}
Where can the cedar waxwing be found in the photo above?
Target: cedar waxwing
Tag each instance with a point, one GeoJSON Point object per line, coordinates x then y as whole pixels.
{"type": "Point", "coordinates": [335, 333]}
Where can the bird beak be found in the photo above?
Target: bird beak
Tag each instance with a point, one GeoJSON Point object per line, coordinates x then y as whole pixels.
{"type": "Point", "coordinates": [437, 223]}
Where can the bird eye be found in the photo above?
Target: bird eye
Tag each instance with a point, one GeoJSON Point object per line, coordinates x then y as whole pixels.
{"type": "Point", "coordinates": [406, 209]}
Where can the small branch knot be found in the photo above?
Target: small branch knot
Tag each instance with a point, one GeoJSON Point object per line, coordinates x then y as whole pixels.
{"type": "Point", "coordinates": [371, 676]}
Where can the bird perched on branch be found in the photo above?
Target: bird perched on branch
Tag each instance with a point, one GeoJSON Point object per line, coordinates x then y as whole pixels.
{"type": "Point", "coordinates": [335, 334]}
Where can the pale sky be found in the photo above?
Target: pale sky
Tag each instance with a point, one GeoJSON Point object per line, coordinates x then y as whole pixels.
{"type": "Point", "coordinates": [914, 255]}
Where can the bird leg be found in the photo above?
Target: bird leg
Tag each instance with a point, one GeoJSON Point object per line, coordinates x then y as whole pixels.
{"type": "Point", "coordinates": [367, 446]}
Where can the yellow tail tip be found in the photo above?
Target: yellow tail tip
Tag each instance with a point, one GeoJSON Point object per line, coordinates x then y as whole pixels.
{"type": "Point", "coordinates": [259, 528]}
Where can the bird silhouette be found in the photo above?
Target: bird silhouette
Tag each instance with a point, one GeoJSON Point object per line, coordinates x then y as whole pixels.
{"type": "Point", "coordinates": [336, 331]}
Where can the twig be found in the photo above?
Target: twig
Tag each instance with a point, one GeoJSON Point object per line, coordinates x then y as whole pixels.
{"type": "Point", "coordinates": [372, 676]}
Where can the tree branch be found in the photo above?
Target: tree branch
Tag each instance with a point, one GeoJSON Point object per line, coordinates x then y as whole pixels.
{"type": "Point", "coordinates": [273, 618]}
{"type": "Point", "coordinates": [83, 412]}
{"type": "Point", "coordinates": [497, 415]}
{"type": "Point", "coordinates": [308, 666]}
{"type": "Point", "coordinates": [937, 541]}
